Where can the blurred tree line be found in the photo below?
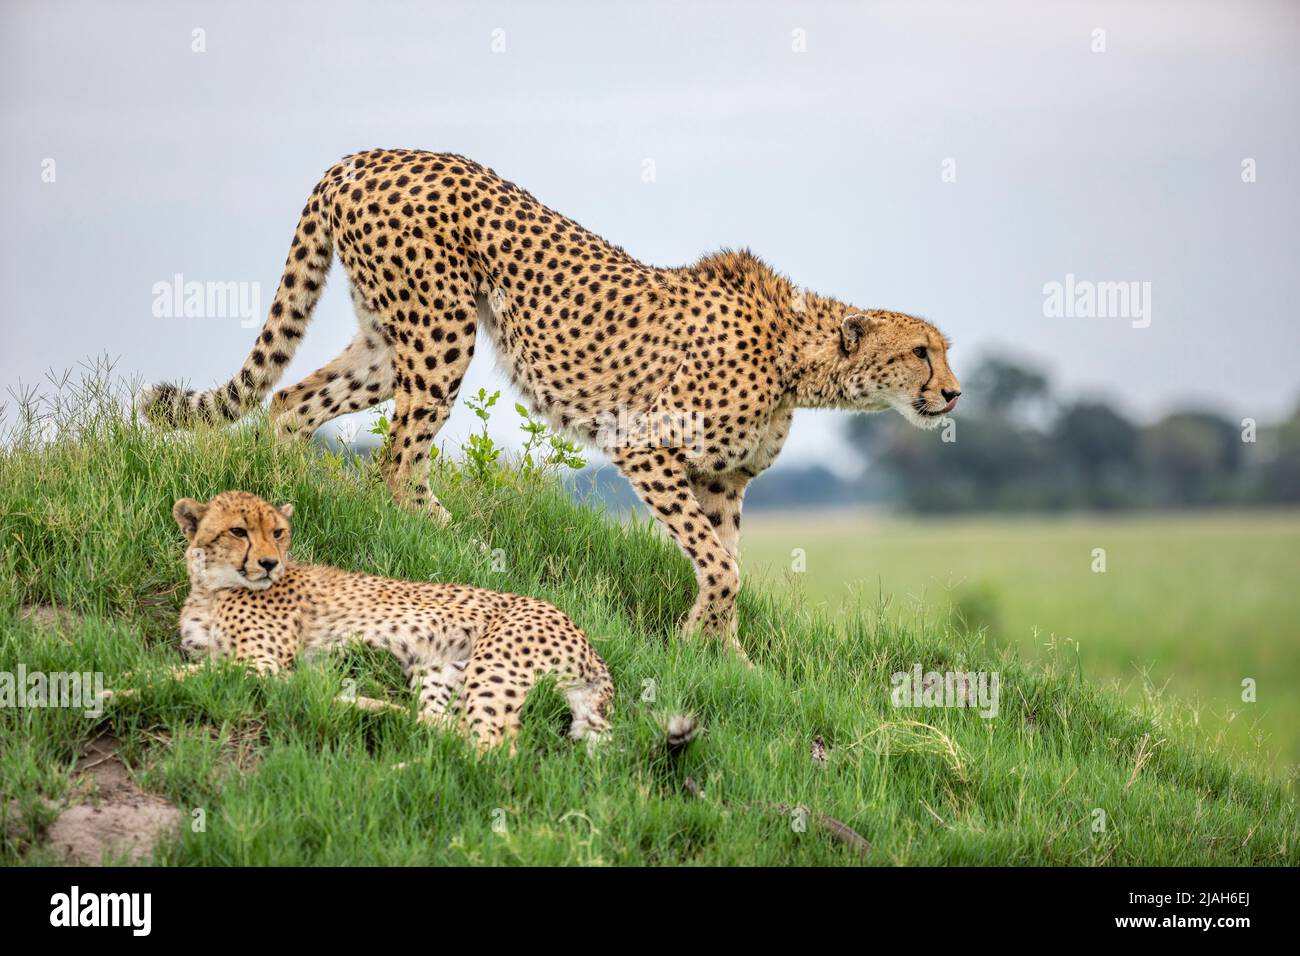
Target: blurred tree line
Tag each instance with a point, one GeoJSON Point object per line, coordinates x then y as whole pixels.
{"type": "Point", "coordinates": [1014, 447]}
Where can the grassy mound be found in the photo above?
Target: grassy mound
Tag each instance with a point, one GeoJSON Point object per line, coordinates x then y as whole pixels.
{"type": "Point", "coordinates": [276, 772]}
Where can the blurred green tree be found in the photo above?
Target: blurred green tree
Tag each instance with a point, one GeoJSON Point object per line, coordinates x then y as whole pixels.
{"type": "Point", "coordinates": [1014, 447]}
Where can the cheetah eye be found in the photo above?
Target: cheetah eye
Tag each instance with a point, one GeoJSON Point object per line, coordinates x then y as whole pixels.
{"type": "Point", "coordinates": [919, 351]}
{"type": "Point", "coordinates": [278, 533]}
{"type": "Point", "coordinates": [239, 532]}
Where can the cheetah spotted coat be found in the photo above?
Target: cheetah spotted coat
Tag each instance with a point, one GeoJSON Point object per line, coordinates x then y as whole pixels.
{"type": "Point", "coordinates": [466, 648]}
{"type": "Point", "coordinates": [686, 377]}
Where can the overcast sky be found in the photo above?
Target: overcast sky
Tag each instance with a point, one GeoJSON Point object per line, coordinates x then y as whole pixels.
{"type": "Point", "coordinates": [815, 134]}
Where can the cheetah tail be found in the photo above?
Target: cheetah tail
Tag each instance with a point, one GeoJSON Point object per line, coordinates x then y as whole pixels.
{"type": "Point", "coordinates": [300, 286]}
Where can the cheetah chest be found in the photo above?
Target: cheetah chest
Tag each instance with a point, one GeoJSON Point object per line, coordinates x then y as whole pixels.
{"type": "Point", "coordinates": [201, 632]}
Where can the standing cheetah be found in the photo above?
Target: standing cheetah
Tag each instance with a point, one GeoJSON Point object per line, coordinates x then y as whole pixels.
{"type": "Point", "coordinates": [687, 377]}
{"type": "Point", "coordinates": [249, 600]}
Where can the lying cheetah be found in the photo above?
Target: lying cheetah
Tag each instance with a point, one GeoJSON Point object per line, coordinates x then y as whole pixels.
{"type": "Point", "coordinates": [687, 377]}
{"type": "Point", "coordinates": [249, 600]}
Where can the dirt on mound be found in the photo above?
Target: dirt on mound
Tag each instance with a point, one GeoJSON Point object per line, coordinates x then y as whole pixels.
{"type": "Point", "coordinates": [110, 814]}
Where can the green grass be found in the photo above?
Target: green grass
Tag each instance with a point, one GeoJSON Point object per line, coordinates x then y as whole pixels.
{"type": "Point", "coordinates": [1189, 605]}
{"type": "Point", "coordinates": [285, 775]}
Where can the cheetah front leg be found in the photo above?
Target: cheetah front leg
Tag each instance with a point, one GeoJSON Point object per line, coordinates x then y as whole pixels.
{"type": "Point", "coordinates": [263, 663]}
{"type": "Point", "coordinates": [722, 496]}
{"type": "Point", "coordinates": [659, 476]}
{"type": "Point", "coordinates": [181, 672]}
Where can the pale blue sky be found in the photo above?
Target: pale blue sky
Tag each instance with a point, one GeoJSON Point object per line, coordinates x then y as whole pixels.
{"type": "Point", "coordinates": [1122, 165]}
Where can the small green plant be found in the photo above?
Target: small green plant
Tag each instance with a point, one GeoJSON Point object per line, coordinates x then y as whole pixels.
{"type": "Point", "coordinates": [335, 463]}
{"type": "Point", "coordinates": [381, 427]}
{"type": "Point", "coordinates": [481, 452]}
{"type": "Point", "coordinates": [543, 454]}
{"type": "Point", "coordinates": [545, 451]}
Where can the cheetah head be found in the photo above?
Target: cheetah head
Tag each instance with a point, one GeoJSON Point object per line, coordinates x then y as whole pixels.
{"type": "Point", "coordinates": [892, 360]}
{"type": "Point", "coordinates": [237, 540]}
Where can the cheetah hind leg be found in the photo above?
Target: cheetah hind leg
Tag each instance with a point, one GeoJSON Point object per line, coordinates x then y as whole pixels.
{"type": "Point", "coordinates": [428, 373]}
{"type": "Point", "coordinates": [492, 721]}
{"type": "Point", "coordinates": [358, 378]}
{"type": "Point", "coordinates": [590, 702]}
{"type": "Point", "coordinates": [491, 702]}
{"type": "Point", "coordinates": [436, 690]}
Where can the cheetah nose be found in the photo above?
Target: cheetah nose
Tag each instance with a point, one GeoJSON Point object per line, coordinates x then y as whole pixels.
{"type": "Point", "coordinates": [951, 395]}
{"type": "Point", "coordinates": [268, 563]}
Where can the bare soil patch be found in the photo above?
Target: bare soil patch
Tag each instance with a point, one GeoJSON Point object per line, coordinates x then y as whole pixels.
{"type": "Point", "coordinates": [109, 813]}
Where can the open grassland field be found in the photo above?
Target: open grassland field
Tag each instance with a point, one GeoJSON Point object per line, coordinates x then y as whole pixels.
{"type": "Point", "coordinates": [1067, 773]}
{"type": "Point", "coordinates": [1188, 607]}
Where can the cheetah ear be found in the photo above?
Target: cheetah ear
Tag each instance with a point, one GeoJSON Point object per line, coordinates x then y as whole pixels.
{"type": "Point", "coordinates": [852, 330]}
{"type": "Point", "coordinates": [286, 509]}
{"type": "Point", "coordinates": [188, 513]}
